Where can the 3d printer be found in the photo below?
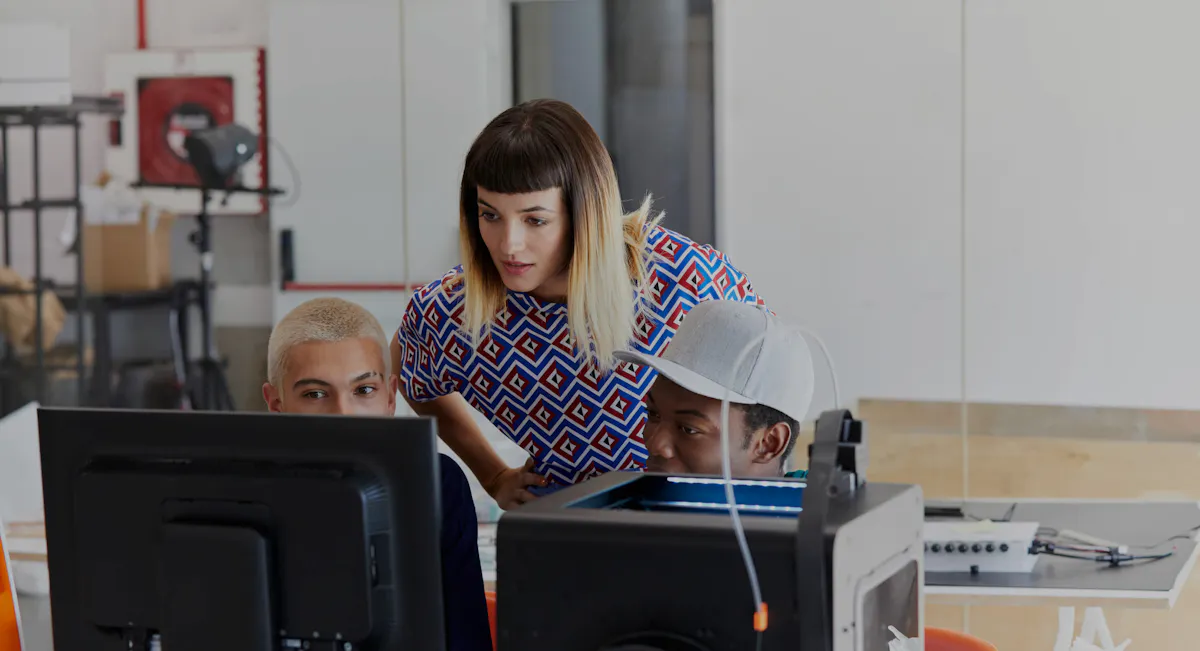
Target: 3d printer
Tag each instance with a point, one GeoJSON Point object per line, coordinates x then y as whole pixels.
{"type": "Point", "coordinates": [649, 562]}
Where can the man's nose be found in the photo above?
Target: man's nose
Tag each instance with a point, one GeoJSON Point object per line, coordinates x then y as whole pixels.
{"type": "Point", "coordinates": [345, 404]}
{"type": "Point", "coordinates": [658, 444]}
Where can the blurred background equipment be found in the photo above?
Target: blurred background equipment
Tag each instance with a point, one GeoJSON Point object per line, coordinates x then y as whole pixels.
{"type": "Point", "coordinates": [37, 304]}
{"type": "Point", "coordinates": [217, 154]}
{"type": "Point", "coordinates": [177, 93]}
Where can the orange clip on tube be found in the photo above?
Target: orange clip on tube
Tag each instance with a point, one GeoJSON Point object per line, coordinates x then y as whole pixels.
{"type": "Point", "coordinates": [760, 618]}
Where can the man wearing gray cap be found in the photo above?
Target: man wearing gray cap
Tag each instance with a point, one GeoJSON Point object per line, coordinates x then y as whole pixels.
{"type": "Point", "coordinates": [769, 392]}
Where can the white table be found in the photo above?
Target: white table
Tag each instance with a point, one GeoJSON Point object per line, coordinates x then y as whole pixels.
{"type": "Point", "coordinates": [1072, 583]}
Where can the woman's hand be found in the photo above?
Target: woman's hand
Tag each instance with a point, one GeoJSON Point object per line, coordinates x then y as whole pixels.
{"type": "Point", "coordinates": [509, 488]}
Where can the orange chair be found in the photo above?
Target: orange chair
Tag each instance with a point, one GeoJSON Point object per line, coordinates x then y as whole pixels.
{"type": "Point", "coordinates": [491, 606]}
{"type": "Point", "coordinates": [10, 634]}
{"type": "Point", "coordinates": [944, 639]}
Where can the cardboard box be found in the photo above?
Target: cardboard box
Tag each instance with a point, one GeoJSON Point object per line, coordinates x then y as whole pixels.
{"type": "Point", "coordinates": [128, 257]}
{"type": "Point", "coordinates": [35, 64]}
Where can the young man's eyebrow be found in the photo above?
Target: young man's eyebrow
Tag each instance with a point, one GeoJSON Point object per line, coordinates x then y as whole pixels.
{"type": "Point", "coordinates": [366, 375]}
{"type": "Point", "coordinates": [310, 380]}
{"type": "Point", "coordinates": [694, 412]}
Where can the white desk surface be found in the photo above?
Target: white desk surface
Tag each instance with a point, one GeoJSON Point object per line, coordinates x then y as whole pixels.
{"type": "Point", "coordinates": [1059, 596]}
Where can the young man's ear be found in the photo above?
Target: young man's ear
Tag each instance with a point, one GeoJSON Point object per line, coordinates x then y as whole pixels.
{"type": "Point", "coordinates": [393, 391]}
{"type": "Point", "coordinates": [773, 442]}
{"type": "Point", "coordinates": [272, 398]}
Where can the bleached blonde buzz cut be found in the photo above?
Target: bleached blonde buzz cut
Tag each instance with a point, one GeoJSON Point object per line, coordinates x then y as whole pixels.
{"type": "Point", "coordinates": [322, 319]}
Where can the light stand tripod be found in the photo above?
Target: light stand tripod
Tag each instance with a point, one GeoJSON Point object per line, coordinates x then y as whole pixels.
{"type": "Point", "coordinates": [204, 385]}
{"type": "Point", "coordinates": [211, 390]}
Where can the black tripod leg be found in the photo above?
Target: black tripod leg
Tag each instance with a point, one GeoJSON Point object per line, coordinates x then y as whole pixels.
{"type": "Point", "coordinates": [221, 388]}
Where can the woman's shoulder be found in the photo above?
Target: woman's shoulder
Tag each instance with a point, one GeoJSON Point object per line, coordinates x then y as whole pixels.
{"type": "Point", "coordinates": [673, 259]}
{"type": "Point", "coordinates": [433, 302]}
{"type": "Point", "coordinates": [665, 246]}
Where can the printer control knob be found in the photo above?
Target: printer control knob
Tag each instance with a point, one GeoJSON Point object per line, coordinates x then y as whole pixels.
{"type": "Point", "coordinates": [962, 547]}
{"type": "Point", "coordinates": [935, 548]}
{"type": "Point", "coordinates": [976, 548]}
{"type": "Point", "coordinates": [1003, 547]}
{"type": "Point", "coordinates": [990, 548]}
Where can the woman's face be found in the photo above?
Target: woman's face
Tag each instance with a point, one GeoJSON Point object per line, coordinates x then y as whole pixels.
{"type": "Point", "coordinates": [529, 238]}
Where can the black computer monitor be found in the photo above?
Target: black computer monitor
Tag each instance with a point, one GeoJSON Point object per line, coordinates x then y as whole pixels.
{"type": "Point", "coordinates": [195, 531]}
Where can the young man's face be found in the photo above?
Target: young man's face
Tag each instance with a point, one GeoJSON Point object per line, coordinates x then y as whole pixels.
{"type": "Point", "coordinates": [683, 435]}
{"type": "Point", "coordinates": [344, 377]}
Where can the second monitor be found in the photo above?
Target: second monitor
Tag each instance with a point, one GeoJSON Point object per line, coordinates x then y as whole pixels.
{"type": "Point", "coordinates": [194, 531]}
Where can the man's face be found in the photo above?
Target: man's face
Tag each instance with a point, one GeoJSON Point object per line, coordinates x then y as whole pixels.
{"type": "Point", "coordinates": [344, 377]}
{"type": "Point", "coordinates": [683, 435]}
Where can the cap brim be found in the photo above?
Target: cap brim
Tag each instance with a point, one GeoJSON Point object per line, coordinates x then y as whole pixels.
{"type": "Point", "coordinates": [686, 378]}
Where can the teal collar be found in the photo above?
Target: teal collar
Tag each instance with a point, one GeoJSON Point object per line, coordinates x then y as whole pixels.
{"type": "Point", "coordinates": [797, 474]}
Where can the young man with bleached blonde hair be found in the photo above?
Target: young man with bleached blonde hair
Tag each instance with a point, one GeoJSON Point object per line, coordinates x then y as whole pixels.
{"type": "Point", "coordinates": [329, 356]}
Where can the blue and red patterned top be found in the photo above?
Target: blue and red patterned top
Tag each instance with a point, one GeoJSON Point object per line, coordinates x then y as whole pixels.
{"type": "Point", "coordinates": [525, 378]}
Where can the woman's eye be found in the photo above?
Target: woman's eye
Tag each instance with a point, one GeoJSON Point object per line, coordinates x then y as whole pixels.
{"type": "Point", "coordinates": [534, 221]}
{"type": "Point", "coordinates": [689, 431]}
{"type": "Point", "coordinates": [488, 216]}
{"type": "Point", "coordinates": [651, 415]}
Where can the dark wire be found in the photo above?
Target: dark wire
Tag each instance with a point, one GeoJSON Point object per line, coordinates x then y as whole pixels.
{"type": "Point", "coordinates": [292, 197]}
{"type": "Point", "coordinates": [1185, 535]}
{"type": "Point", "coordinates": [1087, 553]}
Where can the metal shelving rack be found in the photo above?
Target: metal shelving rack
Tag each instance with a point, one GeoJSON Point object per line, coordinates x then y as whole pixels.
{"type": "Point", "coordinates": [37, 118]}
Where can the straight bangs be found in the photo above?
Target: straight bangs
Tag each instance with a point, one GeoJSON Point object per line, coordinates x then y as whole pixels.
{"type": "Point", "coordinates": [515, 161]}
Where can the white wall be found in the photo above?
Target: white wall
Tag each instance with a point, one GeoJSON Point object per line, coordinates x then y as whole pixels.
{"type": "Point", "coordinates": [1083, 215]}
{"type": "Point", "coordinates": [844, 158]}
{"type": "Point", "coordinates": [377, 102]}
{"type": "Point", "coordinates": [839, 182]}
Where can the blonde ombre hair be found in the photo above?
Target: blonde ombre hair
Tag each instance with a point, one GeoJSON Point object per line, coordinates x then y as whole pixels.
{"type": "Point", "coordinates": [540, 145]}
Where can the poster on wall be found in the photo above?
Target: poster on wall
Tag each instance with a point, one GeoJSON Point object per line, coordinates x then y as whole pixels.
{"type": "Point", "coordinates": [170, 93]}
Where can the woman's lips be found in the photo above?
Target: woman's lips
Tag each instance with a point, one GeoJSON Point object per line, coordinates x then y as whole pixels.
{"type": "Point", "coordinates": [517, 268]}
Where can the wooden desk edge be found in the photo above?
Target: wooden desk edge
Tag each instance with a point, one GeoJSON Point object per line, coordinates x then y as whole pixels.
{"type": "Point", "coordinates": [1137, 599]}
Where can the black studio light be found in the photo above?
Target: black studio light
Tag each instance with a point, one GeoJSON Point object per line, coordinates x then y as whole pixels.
{"type": "Point", "coordinates": [218, 153]}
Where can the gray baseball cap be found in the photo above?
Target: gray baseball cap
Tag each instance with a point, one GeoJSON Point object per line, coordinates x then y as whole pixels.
{"type": "Point", "coordinates": [776, 372]}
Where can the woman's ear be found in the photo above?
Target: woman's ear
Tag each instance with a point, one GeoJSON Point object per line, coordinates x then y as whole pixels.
{"type": "Point", "coordinates": [773, 442]}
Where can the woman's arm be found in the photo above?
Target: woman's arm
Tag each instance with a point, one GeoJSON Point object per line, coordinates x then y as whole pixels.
{"type": "Point", "coordinates": [458, 429]}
